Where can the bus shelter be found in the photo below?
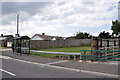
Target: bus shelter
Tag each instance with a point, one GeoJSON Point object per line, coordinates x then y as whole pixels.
{"type": "Point", "coordinates": [21, 45]}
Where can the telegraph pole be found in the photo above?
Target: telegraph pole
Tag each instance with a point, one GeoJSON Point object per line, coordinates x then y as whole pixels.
{"type": "Point", "coordinates": [17, 23]}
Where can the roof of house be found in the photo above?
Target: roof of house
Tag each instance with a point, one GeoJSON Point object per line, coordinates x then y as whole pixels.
{"type": "Point", "coordinates": [6, 37]}
{"type": "Point", "coordinates": [45, 37]}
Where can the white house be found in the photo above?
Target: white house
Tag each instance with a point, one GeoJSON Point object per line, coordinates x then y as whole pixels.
{"type": "Point", "coordinates": [43, 37]}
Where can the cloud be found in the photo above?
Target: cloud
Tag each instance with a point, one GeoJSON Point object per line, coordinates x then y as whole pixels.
{"type": "Point", "coordinates": [30, 7]}
{"type": "Point", "coordinates": [63, 18]}
{"type": "Point", "coordinates": [24, 9]}
{"type": "Point", "coordinates": [49, 17]}
{"type": "Point", "coordinates": [81, 15]}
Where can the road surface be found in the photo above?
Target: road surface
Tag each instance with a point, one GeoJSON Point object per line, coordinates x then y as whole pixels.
{"type": "Point", "coordinates": [27, 66]}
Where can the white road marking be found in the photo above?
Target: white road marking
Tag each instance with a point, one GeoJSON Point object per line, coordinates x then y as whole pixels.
{"type": "Point", "coordinates": [7, 72]}
{"type": "Point", "coordinates": [58, 62]}
{"type": "Point", "coordinates": [71, 69]}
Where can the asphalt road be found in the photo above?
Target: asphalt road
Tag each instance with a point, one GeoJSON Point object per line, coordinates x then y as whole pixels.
{"type": "Point", "coordinates": [26, 70]}
{"type": "Point", "coordinates": [27, 66]}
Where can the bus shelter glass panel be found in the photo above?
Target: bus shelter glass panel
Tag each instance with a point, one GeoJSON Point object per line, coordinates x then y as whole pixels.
{"type": "Point", "coordinates": [21, 44]}
{"type": "Point", "coordinates": [25, 46]}
{"type": "Point", "coordinates": [16, 45]}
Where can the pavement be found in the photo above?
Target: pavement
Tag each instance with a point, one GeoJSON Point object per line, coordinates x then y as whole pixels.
{"type": "Point", "coordinates": [29, 66]}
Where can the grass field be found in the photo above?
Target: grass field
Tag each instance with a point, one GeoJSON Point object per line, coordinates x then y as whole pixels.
{"type": "Point", "coordinates": [66, 49]}
{"type": "Point", "coordinates": [4, 47]}
{"type": "Point", "coordinates": [45, 54]}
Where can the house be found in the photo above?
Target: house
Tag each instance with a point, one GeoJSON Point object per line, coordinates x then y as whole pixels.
{"type": "Point", "coordinates": [44, 37]}
{"type": "Point", "coordinates": [6, 40]}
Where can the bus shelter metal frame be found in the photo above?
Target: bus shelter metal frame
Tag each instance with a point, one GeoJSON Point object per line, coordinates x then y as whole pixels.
{"type": "Point", "coordinates": [21, 45]}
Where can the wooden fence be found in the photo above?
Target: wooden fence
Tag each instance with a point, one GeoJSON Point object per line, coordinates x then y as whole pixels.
{"type": "Point", "coordinates": [38, 44]}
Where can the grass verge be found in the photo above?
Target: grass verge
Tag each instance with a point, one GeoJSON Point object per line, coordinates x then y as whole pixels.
{"type": "Point", "coordinates": [5, 47]}
{"type": "Point", "coordinates": [47, 54]}
{"type": "Point", "coordinates": [65, 49]}
{"type": "Point", "coordinates": [68, 49]}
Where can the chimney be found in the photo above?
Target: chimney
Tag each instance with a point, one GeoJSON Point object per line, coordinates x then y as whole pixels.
{"type": "Point", "coordinates": [1, 35]}
{"type": "Point", "coordinates": [43, 33]}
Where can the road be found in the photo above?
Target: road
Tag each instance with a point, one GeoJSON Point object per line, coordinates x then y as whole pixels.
{"type": "Point", "coordinates": [28, 66]}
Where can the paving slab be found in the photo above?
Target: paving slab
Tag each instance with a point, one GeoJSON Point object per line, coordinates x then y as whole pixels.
{"type": "Point", "coordinates": [103, 68]}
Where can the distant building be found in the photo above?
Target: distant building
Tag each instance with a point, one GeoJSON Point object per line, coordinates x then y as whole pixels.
{"type": "Point", "coordinates": [45, 37]}
{"type": "Point", "coordinates": [6, 40]}
{"type": "Point", "coordinates": [70, 38]}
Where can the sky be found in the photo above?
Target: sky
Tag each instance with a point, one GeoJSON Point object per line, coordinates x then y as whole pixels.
{"type": "Point", "coordinates": [58, 18]}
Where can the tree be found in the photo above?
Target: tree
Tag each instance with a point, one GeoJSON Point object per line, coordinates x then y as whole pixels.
{"type": "Point", "coordinates": [81, 35]}
{"type": "Point", "coordinates": [116, 28]}
{"type": "Point", "coordinates": [104, 35]}
{"type": "Point", "coordinates": [86, 35]}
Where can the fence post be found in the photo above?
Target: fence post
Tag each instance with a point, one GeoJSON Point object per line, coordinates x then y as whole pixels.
{"type": "Point", "coordinates": [105, 52]}
{"type": "Point", "coordinates": [113, 52]}
{"type": "Point", "coordinates": [100, 43]}
{"type": "Point", "coordinates": [94, 46]}
{"type": "Point", "coordinates": [119, 43]}
{"type": "Point", "coordinates": [107, 43]}
{"type": "Point", "coordinates": [114, 42]}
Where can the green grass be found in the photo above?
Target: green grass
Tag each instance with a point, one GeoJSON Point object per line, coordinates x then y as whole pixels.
{"type": "Point", "coordinates": [46, 54]}
{"type": "Point", "coordinates": [66, 49]}
{"type": "Point", "coordinates": [4, 47]}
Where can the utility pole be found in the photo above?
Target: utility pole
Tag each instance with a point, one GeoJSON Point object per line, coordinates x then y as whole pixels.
{"type": "Point", "coordinates": [17, 23]}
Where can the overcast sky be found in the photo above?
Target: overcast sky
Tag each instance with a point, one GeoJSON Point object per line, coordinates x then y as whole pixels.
{"type": "Point", "coordinates": [58, 18]}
